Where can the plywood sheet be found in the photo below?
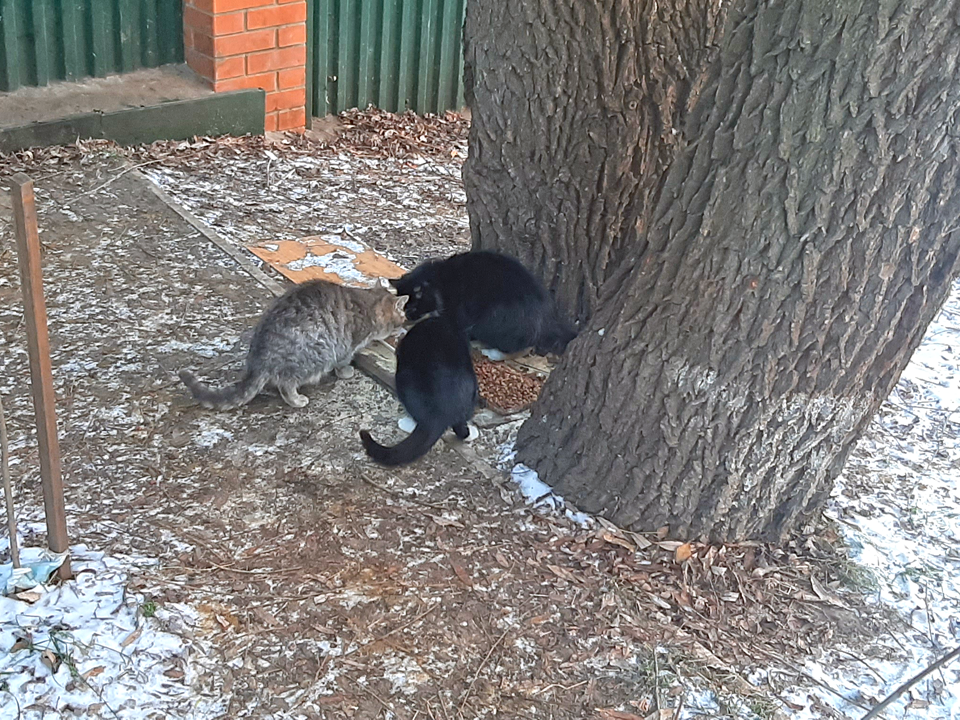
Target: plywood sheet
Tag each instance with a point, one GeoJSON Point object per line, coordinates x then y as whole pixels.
{"type": "Point", "coordinates": [327, 257]}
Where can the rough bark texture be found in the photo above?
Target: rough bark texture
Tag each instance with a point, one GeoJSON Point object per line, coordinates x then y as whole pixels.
{"type": "Point", "coordinates": [577, 107]}
{"type": "Point", "coordinates": [802, 243]}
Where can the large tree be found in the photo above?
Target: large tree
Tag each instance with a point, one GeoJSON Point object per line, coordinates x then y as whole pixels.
{"type": "Point", "coordinates": [578, 109]}
{"type": "Point", "coordinates": [803, 236]}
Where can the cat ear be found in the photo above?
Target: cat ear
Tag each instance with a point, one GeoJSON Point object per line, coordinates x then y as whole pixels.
{"type": "Point", "coordinates": [402, 301]}
{"type": "Point", "coordinates": [394, 282]}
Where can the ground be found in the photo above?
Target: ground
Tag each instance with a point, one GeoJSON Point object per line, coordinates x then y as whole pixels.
{"type": "Point", "coordinates": [309, 582]}
{"type": "Point", "coordinates": [116, 92]}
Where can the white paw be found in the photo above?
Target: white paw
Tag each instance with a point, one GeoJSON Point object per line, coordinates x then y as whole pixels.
{"type": "Point", "coordinates": [474, 433]}
{"type": "Point", "coordinates": [299, 401]}
{"type": "Point", "coordinates": [493, 354]}
{"type": "Point", "coordinates": [407, 424]}
{"type": "Point", "coordinates": [346, 372]}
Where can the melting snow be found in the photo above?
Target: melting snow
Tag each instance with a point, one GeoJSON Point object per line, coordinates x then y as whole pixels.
{"type": "Point", "coordinates": [114, 662]}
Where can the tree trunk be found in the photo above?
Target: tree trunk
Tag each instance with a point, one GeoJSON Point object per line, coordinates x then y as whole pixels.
{"type": "Point", "coordinates": [802, 243]}
{"type": "Point", "coordinates": [576, 111]}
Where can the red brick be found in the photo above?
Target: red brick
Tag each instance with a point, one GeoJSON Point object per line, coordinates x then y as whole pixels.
{"type": "Point", "coordinates": [292, 35]}
{"type": "Point", "coordinates": [220, 6]}
{"type": "Point", "coordinates": [286, 99]}
{"type": "Point", "coordinates": [277, 59]}
{"type": "Point", "coordinates": [270, 122]}
{"type": "Point", "coordinates": [223, 24]}
{"type": "Point", "coordinates": [231, 67]}
{"type": "Point", "coordinates": [277, 15]}
{"type": "Point", "coordinates": [203, 43]}
{"type": "Point", "coordinates": [292, 119]}
{"type": "Point", "coordinates": [201, 5]}
{"type": "Point", "coordinates": [193, 18]}
{"type": "Point", "coordinates": [245, 43]}
{"type": "Point", "coordinates": [264, 81]}
{"type": "Point", "coordinates": [200, 63]}
{"type": "Point", "coordinates": [292, 77]}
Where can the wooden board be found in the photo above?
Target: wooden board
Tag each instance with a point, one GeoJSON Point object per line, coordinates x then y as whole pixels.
{"type": "Point", "coordinates": [328, 257]}
{"type": "Point", "coordinates": [41, 373]}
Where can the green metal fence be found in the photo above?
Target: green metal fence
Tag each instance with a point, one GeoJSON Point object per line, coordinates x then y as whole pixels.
{"type": "Point", "coordinates": [394, 54]}
{"type": "Point", "coordinates": [46, 40]}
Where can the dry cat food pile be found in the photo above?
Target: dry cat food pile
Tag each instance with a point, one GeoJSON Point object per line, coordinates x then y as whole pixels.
{"type": "Point", "coordinates": [506, 389]}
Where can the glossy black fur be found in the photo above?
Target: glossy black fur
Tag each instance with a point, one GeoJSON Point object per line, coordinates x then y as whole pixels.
{"type": "Point", "coordinates": [492, 297]}
{"type": "Point", "coordinates": [436, 384]}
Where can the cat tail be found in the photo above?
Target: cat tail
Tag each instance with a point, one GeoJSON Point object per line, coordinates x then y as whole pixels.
{"type": "Point", "coordinates": [414, 446]}
{"type": "Point", "coordinates": [232, 396]}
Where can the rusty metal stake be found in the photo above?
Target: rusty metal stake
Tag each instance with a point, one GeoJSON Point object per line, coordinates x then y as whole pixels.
{"type": "Point", "coordinates": [41, 374]}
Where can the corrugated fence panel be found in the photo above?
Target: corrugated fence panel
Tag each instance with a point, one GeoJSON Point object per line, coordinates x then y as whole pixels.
{"type": "Point", "coordinates": [46, 40]}
{"type": "Point", "coordinates": [394, 54]}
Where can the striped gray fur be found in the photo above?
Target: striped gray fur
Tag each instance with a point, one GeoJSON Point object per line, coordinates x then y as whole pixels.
{"type": "Point", "coordinates": [313, 329]}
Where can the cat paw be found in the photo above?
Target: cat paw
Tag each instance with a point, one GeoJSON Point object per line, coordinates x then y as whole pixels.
{"type": "Point", "coordinates": [473, 434]}
{"type": "Point", "coordinates": [407, 424]}
{"type": "Point", "coordinates": [493, 354]}
{"type": "Point", "coordinates": [295, 399]}
{"type": "Point", "coordinates": [346, 372]}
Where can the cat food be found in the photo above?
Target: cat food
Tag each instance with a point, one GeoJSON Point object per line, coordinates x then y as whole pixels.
{"type": "Point", "coordinates": [506, 389]}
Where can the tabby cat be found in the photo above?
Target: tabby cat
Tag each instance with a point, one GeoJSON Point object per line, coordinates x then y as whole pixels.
{"type": "Point", "coordinates": [314, 328]}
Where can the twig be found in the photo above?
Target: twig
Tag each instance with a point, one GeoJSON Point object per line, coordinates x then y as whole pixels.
{"type": "Point", "coordinates": [278, 571]}
{"type": "Point", "coordinates": [8, 490]}
{"type": "Point", "coordinates": [476, 675]}
{"type": "Point", "coordinates": [386, 635]}
{"type": "Point", "coordinates": [911, 682]}
{"type": "Point", "coordinates": [117, 177]}
{"type": "Point", "coordinates": [370, 481]}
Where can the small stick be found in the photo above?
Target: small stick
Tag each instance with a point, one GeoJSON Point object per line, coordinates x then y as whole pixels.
{"type": "Point", "coordinates": [466, 695]}
{"type": "Point", "coordinates": [41, 373]}
{"type": "Point", "coordinates": [7, 490]}
{"type": "Point", "coordinates": [910, 683]}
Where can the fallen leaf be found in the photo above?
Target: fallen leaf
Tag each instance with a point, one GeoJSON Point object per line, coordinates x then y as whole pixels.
{"type": "Point", "coordinates": [461, 573]}
{"type": "Point", "coordinates": [615, 539]}
{"type": "Point", "coordinates": [445, 522]}
{"type": "Point", "coordinates": [683, 553]}
{"type": "Point", "coordinates": [23, 643]}
{"type": "Point", "coordinates": [132, 637]}
{"type": "Point", "coordinates": [51, 660]}
{"type": "Point", "coordinates": [93, 672]}
{"type": "Point", "coordinates": [825, 594]}
{"type": "Point", "coordinates": [267, 618]}
{"type": "Point", "coordinates": [562, 573]}
{"type": "Point", "coordinates": [174, 673]}
{"type": "Point", "coordinates": [28, 596]}
{"type": "Point", "coordinates": [611, 714]}
{"type": "Point", "coordinates": [226, 621]}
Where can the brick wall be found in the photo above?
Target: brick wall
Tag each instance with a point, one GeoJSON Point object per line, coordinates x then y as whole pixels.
{"type": "Point", "coordinates": [238, 44]}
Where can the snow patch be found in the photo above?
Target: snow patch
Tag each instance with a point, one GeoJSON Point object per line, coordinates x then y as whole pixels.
{"type": "Point", "coordinates": [109, 660]}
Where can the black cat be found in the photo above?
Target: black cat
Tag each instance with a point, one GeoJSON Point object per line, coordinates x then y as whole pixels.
{"type": "Point", "coordinates": [436, 384]}
{"type": "Point", "coordinates": [492, 297]}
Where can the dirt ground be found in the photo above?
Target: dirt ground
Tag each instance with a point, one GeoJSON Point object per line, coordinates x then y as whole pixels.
{"type": "Point", "coordinates": [115, 92]}
{"type": "Point", "coordinates": [330, 587]}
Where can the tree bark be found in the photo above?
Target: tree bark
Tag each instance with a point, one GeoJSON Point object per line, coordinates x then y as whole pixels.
{"type": "Point", "coordinates": [803, 241]}
{"type": "Point", "coordinates": [576, 109]}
